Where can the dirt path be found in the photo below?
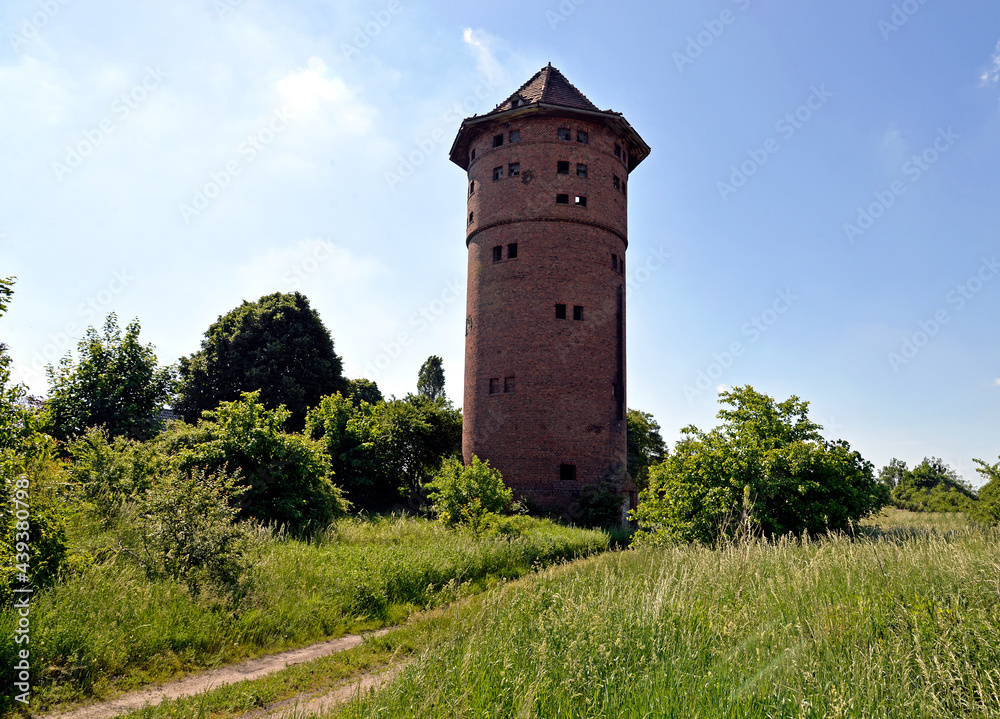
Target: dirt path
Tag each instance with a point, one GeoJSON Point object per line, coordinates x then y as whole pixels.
{"type": "Point", "coordinates": [212, 679]}
{"type": "Point", "coordinates": [314, 703]}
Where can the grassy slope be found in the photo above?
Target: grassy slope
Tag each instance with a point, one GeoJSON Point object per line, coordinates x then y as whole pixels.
{"type": "Point", "coordinates": [904, 622]}
{"type": "Point", "coordinates": [110, 628]}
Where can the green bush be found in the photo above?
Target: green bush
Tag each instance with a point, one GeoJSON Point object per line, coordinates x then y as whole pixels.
{"type": "Point", "coordinates": [987, 508]}
{"type": "Point", "coordinates": [473, 495]}
{"type": "Point", "coordinates": [111, 473]}
{"type": "Point", "coordinates": [932, 486]}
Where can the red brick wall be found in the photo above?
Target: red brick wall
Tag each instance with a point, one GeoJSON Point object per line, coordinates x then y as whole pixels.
{"type": "Point", "coordinates": [563, 408]}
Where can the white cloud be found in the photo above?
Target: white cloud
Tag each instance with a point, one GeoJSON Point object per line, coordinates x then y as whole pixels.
{"type": "Point", "coordinates": [996, 382]}
{"type": "Point", "coordinates": [992, 74]}
{"type": "Point", "coordinates": [483, 45]}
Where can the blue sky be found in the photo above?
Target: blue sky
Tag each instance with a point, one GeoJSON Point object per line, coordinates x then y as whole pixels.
{"type": "Point", "coordinates": [819, 215]}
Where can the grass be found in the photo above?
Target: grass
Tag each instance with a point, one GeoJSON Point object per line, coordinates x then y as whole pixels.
{"type": "Point", "coordinates": [110, 629]}
{"type": "Point", "coordinates": [902, 621]}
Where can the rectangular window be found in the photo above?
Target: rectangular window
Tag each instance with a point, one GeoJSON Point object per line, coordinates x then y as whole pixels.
{"type": "Point", "coordinates": [618, 150]}
{"type": "Point", "coordinates": [514, 169]}
{"type": "Point", "coordinates": [581, 170]}
{"type": "Point", "coordinates": [567, 472]}
{"type": "Point", "coordinates": [498, 173]}
{"type": "Point", "coordinates": [495, 385]}
{"type": "Point", "coordinates": [472, 188]}
{"type": "Point", "coordinates": [562, 167]}
{"type": "Point", "coordinates": [498, 253]}
{"type": "Point", "coordinates": [508, 384]}
{"type": "Point", "coordinates": [616, 181]}
{"type": "Point", "coordinates": [614, 262]}
{"type": "Point", "coordinates": [624, 187]}
{"type": "Point", "coordinates": [581, 136]}
{"type": "Point", "coordinates": [560, 200]}
{"type": "Point", "coordinates": [577, 313]}
{"type": "Point", "coordinates": [512, 251]}
{"type": "Point", "coordinates": [621, 266]}
{"type": "Point", "coordinates": [515, 135]}
{"type": "Point", "coordinates": [560, 312]}
{"type": "Point", "coordinates": [497, 141]}
{"type": "Point", "coordinates": [564, 133]}
{"type": "Point", "coordinates": [580, 201]}
{"type": "Point", "coordinates": [471, 216]}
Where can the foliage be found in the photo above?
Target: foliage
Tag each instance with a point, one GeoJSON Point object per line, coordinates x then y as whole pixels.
{"type": "Point", "coordinates": [277, 346]}
{"type": "Point", "coordinates": [115, 384]}
{"type": "Point", "coordinates": [188, 529]}
{"type": "Point", "coordinates": [474, 495]}
{"type": "Point", "coordinates": [765, 470]}
{"type": "Point", "coordinates": [599, 504]}
{"type": "Point", "coordinates": [112, 472]}
{"type": "Point", "coordinates": [987, 508]}
{"type": "Point", "coordinates": [363, 390]}
{"type": "Point", "coordinates": [430, 379]}
{"type": "Point", "coordinates": [893, 473]}
{"type": "Point", "coordinates": [931, 486]}
{"type": "Point", "coordinates": [287, 476]}
{"type": "Point", "coordinates": [645, 445]}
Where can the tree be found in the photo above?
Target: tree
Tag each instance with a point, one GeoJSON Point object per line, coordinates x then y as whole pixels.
{"type": "Point", "coordinates": [430, 381]}
{"type": "Point", "coordinates": [987, 509]}
{"type": "Point", "coordinates": [116, 384]}
{"type": "Point", "coordinates": [472, 495]}
{"type": "Point", "coordinates": [893, 473]}
{"type": "Point", "coordinates": [645, 445]}
{"type": "Point", "coordinates": [932, 486]}
{"type": "Point", "coordinates": [765, 470]}
{"type": "Point", "coordinates": [363, 390]}
{"type": "Point", "coordinates": [277, 346]}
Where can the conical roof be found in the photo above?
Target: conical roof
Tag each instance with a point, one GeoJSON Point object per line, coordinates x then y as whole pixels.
{"type": "Point", "coordinates": [548, 86]}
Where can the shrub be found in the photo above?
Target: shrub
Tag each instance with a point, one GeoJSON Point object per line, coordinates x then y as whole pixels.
{"type": "Point", "coordinates": [599, 504]}
{"type": "Point", "coordinates": [987, 509]}
{"type": "Point", "coordinates": [110, 473]}
{"type": "Point", "coordinates": [932, 486]}
{"type": "Point", "coordinates": [473, 495]}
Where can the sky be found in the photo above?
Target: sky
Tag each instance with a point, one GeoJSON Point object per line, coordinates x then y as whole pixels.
{"type": "Point", "coordinates": [819, 216]}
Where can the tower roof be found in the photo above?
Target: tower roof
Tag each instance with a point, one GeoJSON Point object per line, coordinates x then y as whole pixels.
{"type": "Point", "coordinates": [548, 86]}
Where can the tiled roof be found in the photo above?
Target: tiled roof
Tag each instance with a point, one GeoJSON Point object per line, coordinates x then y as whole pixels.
{"type": "Point", "coordinates": [548, 86]}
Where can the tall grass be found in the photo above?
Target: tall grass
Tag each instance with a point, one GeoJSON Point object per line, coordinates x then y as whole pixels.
{"type": "Point", "coordinates": [111, 627]}
{"type": "Point", "coordinates": [904, 624]}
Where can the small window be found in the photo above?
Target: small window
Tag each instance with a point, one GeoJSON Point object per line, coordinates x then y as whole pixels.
{"type": "Point", "coordinates": [497, 141]}
{"type": "Point", "coordinates": [472, 188]}
{"type": "Point", "coordinates": [495, 385]}
{"type": "Point", "coordinates": [581, 136]}
{"type": "Point", "coordinates": [472, 155]}
{"type": "Point", "coordinates": [498, 173]}
{"type": "Point", "coordinates": [614, 262]}
{"type": "Point", "coordinates": [498, 253]}
{"type": "Point", "coordinates": [508, 384]}
{"type": "Point", "coordinates": [580, 201]}
{"type": "Point", "coordinates": [616, 181]}
{"type": "Point", "coordinates": [512, 251]}
{"type": "Point", "coordinates": [577, 313]}
{"type": "Point", "coordinates": [621, 266]}
{"type": "Point", "coordinates": [581, 170]}
{"type": "Point", "coordinates": [515, 135]}
{"type": "Point", "coordinates": [560, 312]}
{"type": "Point", "coordinates": [514, 169]}
{"type": "Point", "coordinates": [471, 216]}
{"type": "Point", "coordinates": [561, 200]}
{"type": "Point", "coordinates": [624, 187]}
{"type": "Point", "coordinates": [618, 150]}
{"type": "Point", "coordinates": [516, 102]}
{"type": "Point", "coordinates": [564, 133]}
{"type": "Point", "coordinates": [567, 472]}
{"type": "Point", "coordinates": [562, 167]}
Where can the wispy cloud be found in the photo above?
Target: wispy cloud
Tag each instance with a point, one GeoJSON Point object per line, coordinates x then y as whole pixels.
{"type": "Point", "coordinates": [483, 44]}
{"type": "Point", "coordinates": [992, 74]}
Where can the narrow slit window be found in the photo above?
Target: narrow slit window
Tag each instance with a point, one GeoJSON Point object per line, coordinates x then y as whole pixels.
{"type": "Point", "coordinates": [621, 266]}
{"type": "Point", "coordinates": [472, 188]}
{"type": "Point", "coordinates": [567, 472]}
{"type": "Point", "coordinates": [580, 201]}
{"type": "Point", "coordinates": [512, 251]}
{"type": "Point", "coordinates": [472, 155]}
{"type": "Point", "coordinates": [618, 150]}
{"type": "Point", "coordinates": [508, 385]}
{"type": "Point", "coordinates": [616, 181]}
{"type": "Point", "coordinates": [562, 167]}
{"type": "Point", "coordinates": [498, 253]}
{"type": "Point", "coordinates": [614, 262]}
{"type": "Point", "coordinates": [581, 136]}
{"type": "Point", "coordinates": [495, 385]}
{"type": "Point", "coordinates": [514, 169]}
{"type": "Point", "coordinates": [515, 135]}
{"type": "Point", "coordinates": [498, 140]}
{"type": "Point", "coordinates": [471, 217]}
{"type": "Point", "coordinates": [560, 312]}
{"type": "Point", "coordinates": [564, 133]}
{"type": "Point", "coordinates": [581, 170]}
{"type": "Point", "coordinates": [624, 187]}
{"type": "Point", "coordinates": [578, 313]}
{"type": "Point", "coordinates": [498, 173]}
{"type": "Point", "coordinates": [560, 200]}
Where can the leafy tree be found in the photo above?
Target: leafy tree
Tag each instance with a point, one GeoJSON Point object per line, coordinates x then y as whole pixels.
{"type": "Point", "coordinates": [765, 470]}
{"type": "Point", "coordinates": [473, 495]}
{"type": "Point", "coordinates": [645, 445]}
{"type": "Point", "coordinates": [893, 473]}
{"type": "Point", "coordinates": [113, 472]}
{"type": "Point", "coordinates": [363, 390]}
{"type": "Point", "coordinates": [987, 509]}
{"type": "Point", "coordinates": [430, 380]}
{"type": "Point", "coordinates": [116, 384]}
{"type": "Point", "coordinates": [932, 486]}
{"type": "Point", "coordinates": [277, 346]}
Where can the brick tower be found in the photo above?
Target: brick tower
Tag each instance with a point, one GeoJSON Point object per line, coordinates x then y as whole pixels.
{"type": "Point", "coordinates": [548, 177]}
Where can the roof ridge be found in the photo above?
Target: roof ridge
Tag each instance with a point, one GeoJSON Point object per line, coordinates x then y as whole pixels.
{"type": "Point", "coordinates": [544, 87]}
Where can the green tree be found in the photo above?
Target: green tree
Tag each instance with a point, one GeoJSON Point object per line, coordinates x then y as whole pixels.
{"type": "Point", "coordinates": [893, 474]}
{"type": "Point", "coordinates": [277, 346]}
{"type": "Point", "coordinates": [430, 380]}
{"type": "Point", "coordinates": [765, 470]}
{"type": "Point", "coordinates": [116, 384]}
{"type": "Point", "coordinates": [987, 508]}
{"type": "Point", "coordinates": [363, 390]}
{"type": "Point", "coordinates": [645, 445]}
{"type": "Point", "coordinates": [932, 486]}
{"type": "Point", "coordinates": [472, 495]}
